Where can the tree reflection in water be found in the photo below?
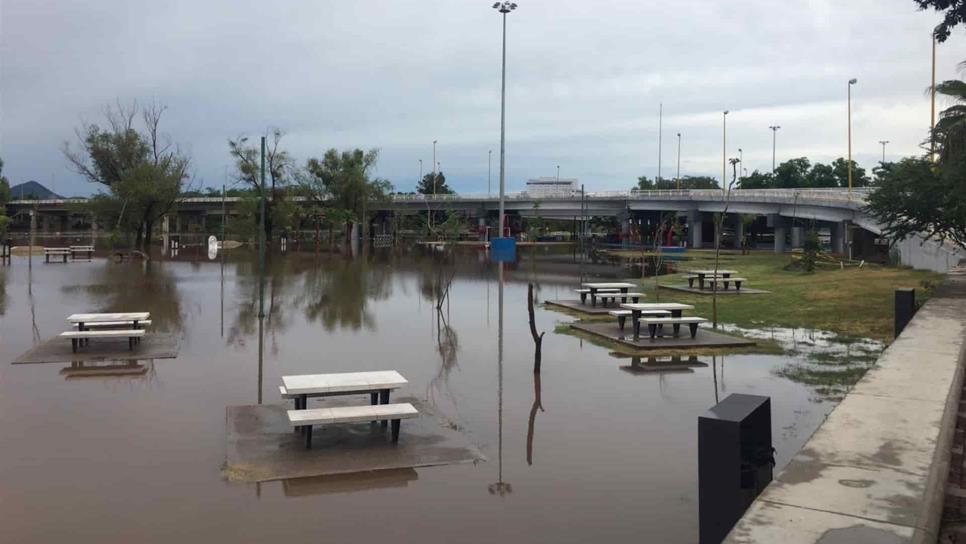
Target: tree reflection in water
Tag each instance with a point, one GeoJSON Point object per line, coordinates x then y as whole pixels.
{"type": "Point", "coordinates": [136, 286]}
{"type": "Point", "coordinates": [3, 289]}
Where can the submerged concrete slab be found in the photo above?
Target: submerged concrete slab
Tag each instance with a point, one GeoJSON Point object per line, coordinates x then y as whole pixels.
{"type": "Point", "coordinates": [882, 455]}
{"type": "Point", "coordinates": [261, 445]}
{"type": "Point", "coordinates": [576, 306]}
{"type": "Point", "coordinates": [721, 292]}
{"type": "Point", "coordinates": [704, 339]}
{"type": "Point", "coordinates": [58, 350]}
{"type": "Point", "coordinates": [349, 483]}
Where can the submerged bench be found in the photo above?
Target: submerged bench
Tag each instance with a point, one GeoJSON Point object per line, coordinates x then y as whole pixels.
{"type": "Point", "coordinates": [56, 251]}
{"type": "Point", "coordinates": [622, 315]}
{"type": "Point", "coordinates": [692, 322]}
{"type": "Point", "coordinates": [114, 324]}
{"type": "Point", "coordinates": [76, 337]}
{"type": "Point", "coordinates": [395, 413]}
{"type": "Point", "coordinates": [89, 250]}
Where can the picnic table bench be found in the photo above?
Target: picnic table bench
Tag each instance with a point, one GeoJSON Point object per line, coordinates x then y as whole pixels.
{"type": "Point", "coordinates": [584, 292]}
{"type": "Point", "coordinates": [305, 419]}
{"type": "Point", "coordinates": [700, 275]}
{"type": "Point", "coordinates": [74, 250]}
{"type": "Point", "coordinates": [676, 308]}
{"type": "Point", "coordinates": [377, 384]}
{"type": "Point", "coordinates": [692, 322]}
{"type": "Point", "coordinates": [594, 287]}
{"type": "Point", "coordinates": [56, 251]}
{"type": "Point", "coordinates": [78, 338]}
{"type": "Point", "coordinates": [726, 281]}
{"type": "Point", "coordinates": [112, 322]}
{"type": "Point", "coordinates": [621, 315]}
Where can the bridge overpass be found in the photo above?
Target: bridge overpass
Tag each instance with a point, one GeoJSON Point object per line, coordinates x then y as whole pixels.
{"type": "Point", "coordinates": [784, 213]}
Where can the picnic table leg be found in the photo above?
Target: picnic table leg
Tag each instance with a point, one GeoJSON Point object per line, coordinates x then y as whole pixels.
{"type": "Point", "coordinates": [384, 399]}
{"type": "Point", "coordinates": [652, 329]}
{"type": "Point", "coordinates": [694, 329]}
{"type": "Point", "coordinates": [308, 437]}
{"type": "Point", "coordinates": [73, 345]}
{"type": "Point", "coordinates": [583, 298]}
{"type": "Point", "coordinates": [676, 313]}
{"type": "Point", "coordinates": [624, 294]}
{"type": "Point", "coordinates": [636, 317]}
{"type": "Point", "coordinates": [593, 296]}
{"type": "Point", "coordinates": [677, 329]}
{"type": "Point", "coordinates": [701, 282]}
{"type": "Point", "coordinates": [395, 430]}
{"type": "Point", "coordinates": [620, 321]}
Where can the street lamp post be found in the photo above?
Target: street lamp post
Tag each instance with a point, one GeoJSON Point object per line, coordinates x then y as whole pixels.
{"type": "Point", "coordinates": [679, 162]}
{"type": "Point", "coordinates": [883, 142]}
{"type": "Point", "coordinates": [420, 180]}
{"type": "Point", "coordinates": [724, 147]}
{"type": "Point", "coordinates": [741, 164]}
{"type": "Point", "coordinates": [660, 137]}
{"type": "Point", "coordinates": [503, 8]}
{"type": "Point", "coordinates": [852, 81]}
{"type": "Point", "coordinates": [489, 168]}
{"type": "Point", "coordinates": [774, 135]}
{"type": "Point", "coordinates": [558, 173]}
{"type": "Point", "coordinates": [434, 167]}
{"type": "Point", "coordinates": [261, 241]}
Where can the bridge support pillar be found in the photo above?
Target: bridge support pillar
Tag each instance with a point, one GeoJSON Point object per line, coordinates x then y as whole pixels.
{"type": "Point", "coordinates": [838, 237]}
{"type": "Point", "coordinates": [481, 222]}
{"type": "Point", "coordinates": [798, 237]}
{"type": "Point", "coordinates": [694, 229]}
{"type": "Point", "coordinates": [778, 223]}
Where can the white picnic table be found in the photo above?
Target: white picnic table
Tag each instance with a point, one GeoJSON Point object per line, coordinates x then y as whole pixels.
{"type": "Point", "coordinates": [375, 383]}
{"type": "Point", "coordinates": [623, 287]}
{"type": "Point", "coordinates": [710, 272]}
{"type": "Point", "coordinates": [676, 308]}
{"type": "Point", "coordinates": [133, 317]}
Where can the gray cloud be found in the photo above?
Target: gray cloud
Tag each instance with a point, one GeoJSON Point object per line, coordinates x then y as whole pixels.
{"type": "Point", "coordinates": [585, 80]}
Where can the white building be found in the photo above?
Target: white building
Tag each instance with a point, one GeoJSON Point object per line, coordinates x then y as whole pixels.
{"type": "Point", "coordinates": [549, 187]}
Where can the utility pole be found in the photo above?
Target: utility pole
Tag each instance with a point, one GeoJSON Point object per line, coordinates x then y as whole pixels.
{"type": "Point", "coordinates": [932, 109]}
{"type": "Point", "coordinates": [774, 136]}
{"type": "Point", "coordinates": [261, 242]}
{"type": "Point", "coordinates": [489, 168]}
{"type": "Point", "coordinates": [660, 134]}
{"type": "Point", "coordinates": [883, 142]}
{"type": "Point", "coordinates": [851, 82]}
{"type": "Point", "coordinates": [558, 173]}
{"type": "Point", "coordinates": [724, 148]}
{"type": "Point", "coordinates": [503, 8]}
{"type": "Point", "coordinates": [679, 161]}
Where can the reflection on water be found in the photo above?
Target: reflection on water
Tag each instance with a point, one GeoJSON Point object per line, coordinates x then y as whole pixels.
{"type": "Point", "coordinates": [614, 453]}
{"type": "Point", "coordinates": [828, 362]}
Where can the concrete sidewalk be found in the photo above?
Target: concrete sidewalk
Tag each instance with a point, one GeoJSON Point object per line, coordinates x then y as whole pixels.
{"type": "Point", "coordinates": [876, 470]}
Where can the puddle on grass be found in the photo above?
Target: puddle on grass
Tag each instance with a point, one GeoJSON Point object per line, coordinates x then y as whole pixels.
{"type": "Point", "coordinates": [828, 362]}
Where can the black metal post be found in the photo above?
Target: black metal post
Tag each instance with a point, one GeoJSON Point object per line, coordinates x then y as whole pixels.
{"type": "Point", "coordinates": [905, 303]}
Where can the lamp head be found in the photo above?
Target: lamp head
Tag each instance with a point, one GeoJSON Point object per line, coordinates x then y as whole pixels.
{"type": "Point", "coordinates": [853, 81]}
{"type": "Point", "coordinates": [726, 112]}
{"type": "Point", "coordinates": [504, 7]}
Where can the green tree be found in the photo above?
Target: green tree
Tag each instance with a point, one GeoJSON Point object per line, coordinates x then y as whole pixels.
{"type": "Point", "coordinates": [644, 184]}
{"type": "Point", "coordinates": [425, 185]}
{"type": "Point", "coordinates": [341, 181]}
{"type": "Point", "coordinates": [758, 180]}
{"type": "Point", "coordinates": [950, 133]}
{"type": "Point", "coordinates": [822, 175]}
{"type": "Point", "coordinates": [142, 170]}
{"type": "Point", "coordinates": [916, 197]}
{"type": "Point", "coordinates": [954, 16]}
{"type": "Point", "coordinates": [792, 173]}
{"type": "Point", "coordinates": [278, 170]}
{"type": "Point", "coordinates": [4, 198]}
{"type": "Point", "coordinates": [841, 168]}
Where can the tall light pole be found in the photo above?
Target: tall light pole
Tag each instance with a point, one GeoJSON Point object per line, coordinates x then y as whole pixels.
{"type": "Point", "coordinates": [489, 168]}
{"type": "Point", "coordinates": [932, 109]}
{"type": "Point", "coordinates": [558, 173]}
{"type": "Point", "coordinates": [883, 142]}
{"type": "Point", "coordinates": [724, 148]}
{"type": "Point", "coordinates": [679, 162]}
{"type": "Point", "coordinates": [261, 242]}
{"type": "Point", "coordinates": [420, 180]}
{"type": "Point", "coordinates": [852, 81]}
{"type": "Point", "coordinates": [741, 164]}
{"type": "Point", "coordinates": [660, 137]}
{"type": "Point", "coordinates": [434, 167]}
{"type": "Point", "coordinates": [503, 8]}
{"type": "Point", "coordinates": [774, 136]}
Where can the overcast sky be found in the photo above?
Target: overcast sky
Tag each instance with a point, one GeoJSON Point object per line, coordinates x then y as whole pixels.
{"type": "Point", "coordinates": [584, 81]}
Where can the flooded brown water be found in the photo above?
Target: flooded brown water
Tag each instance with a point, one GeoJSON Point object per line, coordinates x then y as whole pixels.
{"type": "Point", "coordinates": [138, 458]}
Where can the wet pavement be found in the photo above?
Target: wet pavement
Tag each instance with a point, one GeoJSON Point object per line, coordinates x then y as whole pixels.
{"type": "Point", "coordinates": [586, 451]}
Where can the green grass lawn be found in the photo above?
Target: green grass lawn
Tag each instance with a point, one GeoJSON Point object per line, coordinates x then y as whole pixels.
{"type": "Point", "coordinates": [855, 302]}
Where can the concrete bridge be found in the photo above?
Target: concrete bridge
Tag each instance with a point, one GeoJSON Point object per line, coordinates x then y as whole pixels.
{"type": "Point", "coordinates": [780, 215]}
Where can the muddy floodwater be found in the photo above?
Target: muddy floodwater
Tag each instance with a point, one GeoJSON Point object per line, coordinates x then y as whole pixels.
{"type": "Point", "coordinates": [604, 454]}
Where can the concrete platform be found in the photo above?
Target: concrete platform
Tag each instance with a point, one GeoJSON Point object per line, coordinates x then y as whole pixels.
{"type": "Point", "coordinates": [705, 338]}
{"type": "Point", "coordinates": [668, 364]}
{"type": "Point", "coordinates": [683, 288]}
{"type": "Point", "coordinates": [261, 446]}
{"type": "Point", "coordinates": [576, 306]}
{"type": "Point", "coordinates": [95, 370]}
{"type": "Point", "coordinates": [57, 350]}
{"type": "Point", "coordinates": [348, 483]}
